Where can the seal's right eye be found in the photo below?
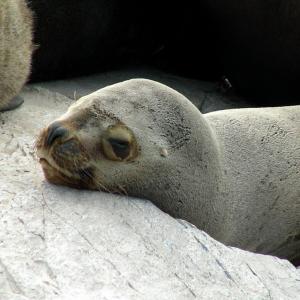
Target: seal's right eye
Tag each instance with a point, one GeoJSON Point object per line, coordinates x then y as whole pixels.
{"type": "Point", "coordinates": [118, 143]}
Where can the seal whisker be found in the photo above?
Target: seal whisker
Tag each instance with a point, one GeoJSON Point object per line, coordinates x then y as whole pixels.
{"type": "Point", "coordinates": [123, 190]}
{"type": "Point", "coordinates": [99, 186]}
{"type": "Point", "coordinates": [102, 187]}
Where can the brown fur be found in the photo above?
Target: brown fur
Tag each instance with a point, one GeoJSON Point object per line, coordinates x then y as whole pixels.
{"type": "Point", "coordinates": [15, 49]}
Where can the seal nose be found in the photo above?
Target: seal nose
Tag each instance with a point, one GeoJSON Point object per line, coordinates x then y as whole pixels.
{"type": "Point", "coordinates": [55, 131]}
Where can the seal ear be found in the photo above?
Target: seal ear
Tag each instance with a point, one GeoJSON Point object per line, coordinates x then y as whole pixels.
{"type": "Point", "coordinates": [119, 143]}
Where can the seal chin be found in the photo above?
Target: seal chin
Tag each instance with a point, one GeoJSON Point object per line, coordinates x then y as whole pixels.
{"type": "Point", "coordinates": [55, 176]}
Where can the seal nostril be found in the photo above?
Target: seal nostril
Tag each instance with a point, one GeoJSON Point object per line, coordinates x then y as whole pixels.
{"type": "Point", "coordinates": [55, 131]}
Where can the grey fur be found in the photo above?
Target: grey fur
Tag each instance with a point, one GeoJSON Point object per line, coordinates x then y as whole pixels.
{"type": "Point", "coordinates": [15, 50]}
{"type": "Point", "coordinates": [233, 173]}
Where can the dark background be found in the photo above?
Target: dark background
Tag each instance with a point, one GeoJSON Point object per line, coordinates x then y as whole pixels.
{"type": "Point", "coordinates": [255, 44]}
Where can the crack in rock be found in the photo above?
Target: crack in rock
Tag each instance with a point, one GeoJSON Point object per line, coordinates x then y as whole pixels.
{"type": "Point", "coordinates": [11, 280]}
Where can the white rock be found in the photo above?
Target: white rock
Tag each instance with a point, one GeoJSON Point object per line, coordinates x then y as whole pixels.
{"type": "Point", "coordinates": [59, 243]}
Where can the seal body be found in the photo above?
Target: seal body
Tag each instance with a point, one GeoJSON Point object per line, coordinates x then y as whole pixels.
{"type": "Point", "coordinates": [233, 173]}
{"type": "Point", "coordinates": [15, 50]}
{"type": "Point", "coordinates": [260, 157]}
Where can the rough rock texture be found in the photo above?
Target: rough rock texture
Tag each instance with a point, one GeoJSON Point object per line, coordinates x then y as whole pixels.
{"type": "Point", "coordinates": [59, 243]}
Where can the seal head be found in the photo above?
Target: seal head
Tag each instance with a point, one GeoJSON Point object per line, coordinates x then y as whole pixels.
{"type": "Point", "coordinates": [135, 138]}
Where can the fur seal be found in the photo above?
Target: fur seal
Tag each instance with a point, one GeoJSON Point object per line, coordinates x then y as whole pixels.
{"type": "Point", "coordinates": [15, 51]}
{"type": "Point", "coordinates": [233, 173]}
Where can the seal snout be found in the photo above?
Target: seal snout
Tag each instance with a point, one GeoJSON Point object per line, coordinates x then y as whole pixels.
{"type": "Point", "coordinates": [55, 131]}
{"type": "Point", "coordinates": [58, 142]}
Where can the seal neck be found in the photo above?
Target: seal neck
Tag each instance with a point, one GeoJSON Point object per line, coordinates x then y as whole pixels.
{"type": "Point", "coordinates": [190, 185]}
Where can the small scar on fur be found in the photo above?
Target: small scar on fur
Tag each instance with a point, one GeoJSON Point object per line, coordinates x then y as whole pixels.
{"type": "Point", "coordinates": [164, 152]}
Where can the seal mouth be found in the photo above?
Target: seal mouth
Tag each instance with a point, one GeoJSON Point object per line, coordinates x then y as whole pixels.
{"type": "Point", "coordinates": [80, 180]}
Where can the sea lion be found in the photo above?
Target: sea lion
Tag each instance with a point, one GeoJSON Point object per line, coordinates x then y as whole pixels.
{"type": "Point", "coordinates": [233, 173]}
{"type": "Point", "coordinates": [15, 51]}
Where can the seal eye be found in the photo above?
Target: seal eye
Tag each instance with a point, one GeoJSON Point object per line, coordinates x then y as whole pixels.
{"type": "Point", "coordinates": [120, 147]}
{"type": "Point", "coordinates": [118, 143]}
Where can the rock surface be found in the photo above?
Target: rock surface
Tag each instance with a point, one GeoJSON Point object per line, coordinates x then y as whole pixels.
{"type": "Point", "coordinates": [59, 243]}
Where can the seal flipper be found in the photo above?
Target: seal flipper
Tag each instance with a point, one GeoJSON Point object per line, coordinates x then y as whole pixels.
{"type": "Point", "coordinates": [12, 104]}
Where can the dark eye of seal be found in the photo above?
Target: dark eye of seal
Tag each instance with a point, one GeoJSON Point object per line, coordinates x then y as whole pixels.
{"type": "Point", "coordinates": [118, 143]}
{"type": "Point", "coordinates": [121, 148]}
